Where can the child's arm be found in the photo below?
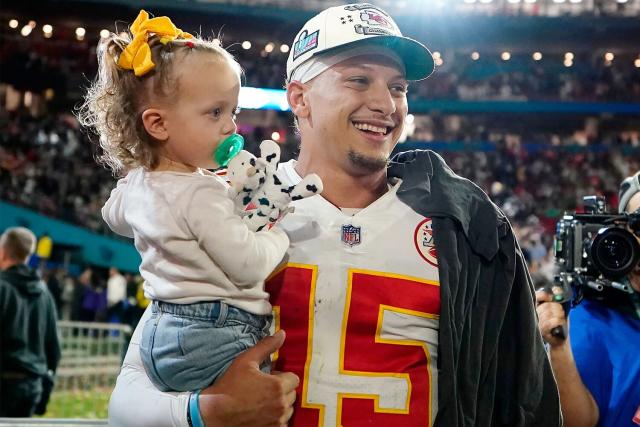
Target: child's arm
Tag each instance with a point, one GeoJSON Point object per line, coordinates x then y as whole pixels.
{"type": "Point", "coordinates": [113, 212]}
{"type": "Point", "coordinates": [246, 257]}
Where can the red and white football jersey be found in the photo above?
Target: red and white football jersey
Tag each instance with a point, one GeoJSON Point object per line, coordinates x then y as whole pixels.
{"type": "Point", "coordinates": [359, 299]}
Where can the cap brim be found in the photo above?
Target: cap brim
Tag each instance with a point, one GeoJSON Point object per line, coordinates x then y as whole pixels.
{"type": "Point", "coordinates": [417, 58]}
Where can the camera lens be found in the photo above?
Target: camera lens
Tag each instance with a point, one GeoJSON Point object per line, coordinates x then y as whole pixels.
{"type": "Point", "coordinates": [615, 252]}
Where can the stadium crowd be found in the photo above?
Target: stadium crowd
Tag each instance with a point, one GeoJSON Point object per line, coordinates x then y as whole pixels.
{"type": "Point", "coordinates": [65, 65]}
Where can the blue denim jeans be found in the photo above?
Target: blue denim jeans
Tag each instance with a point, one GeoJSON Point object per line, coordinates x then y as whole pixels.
{"type": "Point", "coordinates": [186, 347]}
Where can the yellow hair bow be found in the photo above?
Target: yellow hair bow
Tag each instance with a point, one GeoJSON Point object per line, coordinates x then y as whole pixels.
{"type": "Point", "coordinates": [137, 55]}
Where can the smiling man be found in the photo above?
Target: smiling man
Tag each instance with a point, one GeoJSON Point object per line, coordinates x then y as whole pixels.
{"type": "Point", "coordinates": [404, 295]}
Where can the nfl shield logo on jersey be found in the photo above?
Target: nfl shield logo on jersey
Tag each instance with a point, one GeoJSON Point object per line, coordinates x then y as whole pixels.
{"type": "Point", "coordinates": [350, 235]}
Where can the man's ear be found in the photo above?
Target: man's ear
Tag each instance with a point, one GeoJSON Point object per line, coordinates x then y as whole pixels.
{"type": "Point", "coordinates": [296, 97]}
{"type": "Point", "coordinates": [155, 123]}
{"type": "Point", "coordinates": [2, 257]}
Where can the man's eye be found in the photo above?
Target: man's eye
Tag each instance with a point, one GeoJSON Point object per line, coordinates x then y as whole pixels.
{"type": "Point", "coordinates": [358, 80]}
{"type": "Point", "coordinates": [400, 88]}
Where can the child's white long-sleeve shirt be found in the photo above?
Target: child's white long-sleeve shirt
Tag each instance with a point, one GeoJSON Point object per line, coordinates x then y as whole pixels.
{"type": "Point", "coordinates": [193, 247]}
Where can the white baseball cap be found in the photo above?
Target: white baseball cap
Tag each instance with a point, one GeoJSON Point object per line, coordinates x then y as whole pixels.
{"type": "Point", "coordinates": [344, 27]}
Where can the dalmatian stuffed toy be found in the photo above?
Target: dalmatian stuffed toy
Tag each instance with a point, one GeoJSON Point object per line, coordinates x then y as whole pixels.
{"type": "Point", "coordinates": [260, 195]}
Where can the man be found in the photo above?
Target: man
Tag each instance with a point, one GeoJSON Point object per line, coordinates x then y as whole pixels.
{"type": "Point", "coordinates": [383, 326]}
{"type": "Point", "coordinates": [598, 369]}
{"type": "Point", "coordinates": [28, 339]}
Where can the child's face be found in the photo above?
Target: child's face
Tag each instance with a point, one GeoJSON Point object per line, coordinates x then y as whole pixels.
{"type": "Point", "coordinates": [203, 113]}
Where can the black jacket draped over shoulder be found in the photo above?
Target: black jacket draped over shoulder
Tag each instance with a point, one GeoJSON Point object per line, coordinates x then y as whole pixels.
{"type": "Point", "coordinates": [492, 364]}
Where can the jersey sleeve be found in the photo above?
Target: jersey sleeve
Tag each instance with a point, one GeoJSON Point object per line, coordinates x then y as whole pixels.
{"type": "Point", "coordinates": [246, 257]}
{"type": "Point", "coordinates": [135, 402]}
{"type": "Point", "coordinates": [590, 355]}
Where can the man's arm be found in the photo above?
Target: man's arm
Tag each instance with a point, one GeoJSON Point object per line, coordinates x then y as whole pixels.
{"type": "Point", "coordinates": [578, 405]}
{"type": "Point", "coordinates": [243, 396]}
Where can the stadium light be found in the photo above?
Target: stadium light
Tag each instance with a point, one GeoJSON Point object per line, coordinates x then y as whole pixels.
{"type": "Point", "coordinates": [475, 56]}
{"type": "Point", "coordinates": [537, 56]}
{"type": "Point", "coordinates": [530, 1]}
{"type": "Point", "coordinates": [26, 30]}
{"type": "Point", "coordinates": [438, 62]}
{"type": "Point", "coordinates": [47, 30]}
{"type": "Point", "coordinates": [284, 48]}
{"type": "Point", "coordinates": [513, 1]}
{"type": "Point", "coordinates": [469, 1]}
{"type": "Point", "coordinates": [568, 63]}
{"type": "Point", "coordinates": [486, 1]}
{"type": "Point", "coordinates": [32, 24]}
{"type": "Point", "coordinates": [575, 1]}
{"type": "Point", "coordinates": [569, 56]}
{"type": "Point", "coordinates": [609, 56]}
{"type": "Point", "coordinates": [269, 47]}
{"type": "Point", "coordinates": [14, 23]}
{"type": "Point", "coordinates": [104, 33]}
{"type": "Point", "coordinates": [436, 55]}
{"type": "Point", "coordinates": [246, 45]}
{"type": "Point", "coordinates": [80, 33]}
{"type": "Point", "coordinates": [622, 1]}
{"type": "Point", "coordinates": [558, 1]}
{"type": "Point", "coordinates": [276, 136]}
{"type": "Point", "coordinates": [505, 56]}
{"type": "Point", "coordinates": [637, 63]}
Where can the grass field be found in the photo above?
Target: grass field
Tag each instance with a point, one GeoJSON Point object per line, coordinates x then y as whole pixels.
{"type": "Point", "coordinates": [79, 404]}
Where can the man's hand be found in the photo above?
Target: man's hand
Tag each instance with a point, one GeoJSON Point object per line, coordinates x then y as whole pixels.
{"type": "Point", "coordinates": [245, 396]}
{"type": "Point", "coordinates": [551, 315]}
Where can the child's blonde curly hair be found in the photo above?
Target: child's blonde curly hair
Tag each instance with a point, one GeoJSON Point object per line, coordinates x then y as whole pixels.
{"type": "Point", "coordinates": [116, 99]}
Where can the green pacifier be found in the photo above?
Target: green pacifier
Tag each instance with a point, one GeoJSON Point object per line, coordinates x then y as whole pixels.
{"type": "Point", "coordinates": [228, 149]}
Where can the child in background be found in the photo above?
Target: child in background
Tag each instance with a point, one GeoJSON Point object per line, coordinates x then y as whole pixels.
{"type": "Point", "coordinates": [162, 103]}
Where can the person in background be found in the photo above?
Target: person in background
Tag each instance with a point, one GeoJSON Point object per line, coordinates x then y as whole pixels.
{"type": "Point", "coordinates": [28, 329]}
{"type": "Point", "coordinates": [597, 366]}
{"type": "Point", "coordinates": [116, 296]}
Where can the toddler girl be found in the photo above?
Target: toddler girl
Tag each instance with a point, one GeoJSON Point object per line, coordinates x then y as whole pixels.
{"type": "Point", "coordinates": [162, 103]}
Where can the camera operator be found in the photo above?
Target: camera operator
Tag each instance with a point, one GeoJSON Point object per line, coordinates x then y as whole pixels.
{"type": "Point", "coordinates": [597, 366]}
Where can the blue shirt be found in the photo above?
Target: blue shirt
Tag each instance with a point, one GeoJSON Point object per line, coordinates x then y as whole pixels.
{"type": "Point", "coordinates": [606, 348]}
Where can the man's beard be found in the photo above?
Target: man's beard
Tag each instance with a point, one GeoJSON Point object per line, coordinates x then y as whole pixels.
{"type": "Point", "coordinates": [367, 163]}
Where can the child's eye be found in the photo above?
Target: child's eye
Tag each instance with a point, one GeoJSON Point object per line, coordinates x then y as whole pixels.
{"type": "Point", "coordinates": [216, 112]}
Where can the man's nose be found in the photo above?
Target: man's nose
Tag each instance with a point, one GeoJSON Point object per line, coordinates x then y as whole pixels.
{"type": "Point", "coordinates": [380, 99]}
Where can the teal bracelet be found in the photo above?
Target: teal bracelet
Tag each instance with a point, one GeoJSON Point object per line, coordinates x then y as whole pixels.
{"type": "Point", "coordinates": [194, 410]}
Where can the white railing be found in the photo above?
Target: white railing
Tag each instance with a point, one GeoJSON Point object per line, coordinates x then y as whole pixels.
{"type": "Point", "coordinates": [91, 357]}
{"type": "Point", "coordinates": [91, 354]}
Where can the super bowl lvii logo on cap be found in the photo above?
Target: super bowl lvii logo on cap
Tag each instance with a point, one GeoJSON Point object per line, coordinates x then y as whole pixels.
{"type": "Point", "coordinates": [305, 43]}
